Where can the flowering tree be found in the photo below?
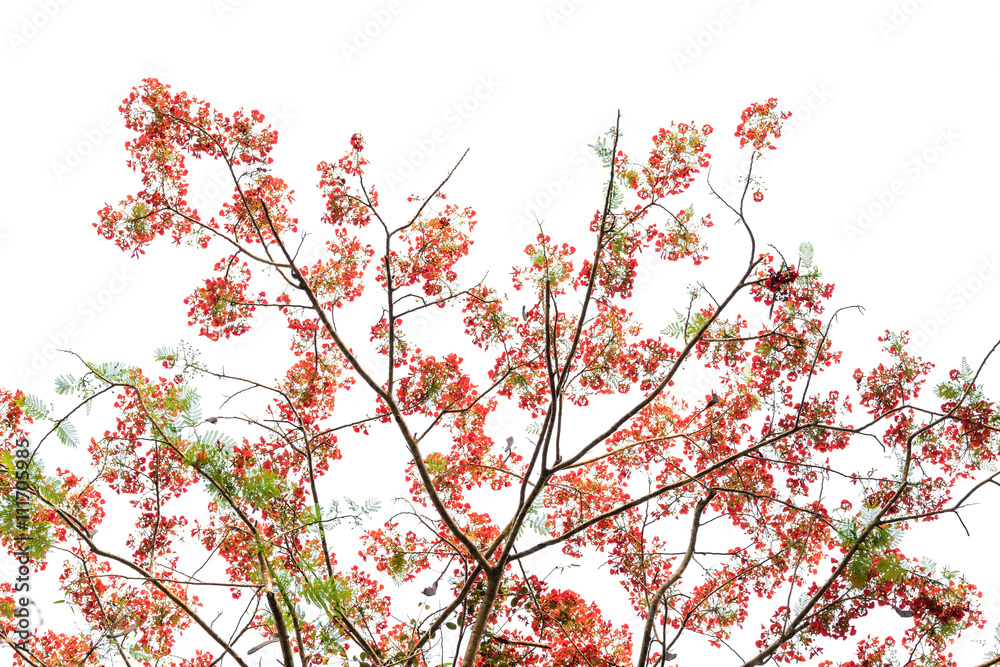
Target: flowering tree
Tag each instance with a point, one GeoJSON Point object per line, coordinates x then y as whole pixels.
{"type": "Point", "coordinates": [697, 507]}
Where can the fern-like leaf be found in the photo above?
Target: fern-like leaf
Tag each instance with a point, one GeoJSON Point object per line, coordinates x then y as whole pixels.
{"type": "Point", "coordinates": [805, 255]}
{"type": "Point", "coordinates": [65, 384]}
{"type": "Point", "coordinates": [67, 434]}
{"type": "Point", "coordinates": [34, 407]}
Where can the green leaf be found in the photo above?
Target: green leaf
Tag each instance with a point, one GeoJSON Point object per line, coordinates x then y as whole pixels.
{"type": "Point", "coordinates": [945, 390]}
{"type": "Point", "coordinates": [676, 328]}
{"type": "Point", "coordinates": [805, 254]}
{"type": "Point", "coordinates": [602, 149]}
{"type": "Point", "coordinates": [617, 196]}
{"type": "Point", "coordinates": [67, 435]}
{"type": "Point", "coordinates": [215, 440]}
{"type": "Point", "coordinates": [190, 405]}
{"type": "Point", "coordinates": [112, 371]}
{"type": "Point", "coordinates": [65, 384]}
{"type": "Point", "coordinates": [397, 563]}
{"type": "Point", "coordinates": [34, 407]}
{"type": "Point", "coordinates": [7, 461]}
{"type": "Point", "coordinates": [323, 591]}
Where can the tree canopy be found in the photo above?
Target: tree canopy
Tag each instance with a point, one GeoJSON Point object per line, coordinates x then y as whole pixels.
{"type": "Point", "coordinates": [752, 516]}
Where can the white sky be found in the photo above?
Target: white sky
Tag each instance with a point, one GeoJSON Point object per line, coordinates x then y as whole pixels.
{"type": "Point", "coordinates": [891, 100]}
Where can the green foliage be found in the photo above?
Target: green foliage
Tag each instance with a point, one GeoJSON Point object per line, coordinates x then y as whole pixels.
{"type": "Point", "coordinates": [189, 404]}
{"type": "Point", "coordinates": [875, 553]}
{"type": "Point", "coordinates": [182, 357]}
{"type": "Point", "coordinates": [617, 196]}
{"type": "Point", "coordinates": [165, 353]}
{"type": "Point", "coordinates": [66, 384]}
{"type": "Point", "coordinates": [685, 326]}
{"type": "Point", "coordinates": [263, 486]}
{"type": "Point", "coordinates": [695, 323]}
{"type": "Point", "coordinates": [677, 328]}
{"type": "Point", "coordinates": [357, 511]}
{"type": "Point", "coordinates": [111, 371]}
{"type": "Point", "coordinates": [536, 520]}
{"type": "Point", "coordinates": [930, 569]}
{"type": "Point", "coordinates": [805, 256]}
{"type": "Point", "coordinates": [67, 434]}
{"type": "Point", "coordinates": [34, 407]}
{"type": "Point", "coordinates": [324, 591]}
{"type": "Point", "coordinates": [69, 385]}
{"type": "Point", "coordinates": [211, 453]}
{"type": "Point", "coordinates": [397, 565]}
{"type": "Point", "coordinates": [953, 390]}
{"type": "Point", "coordinates": [604, 149]}
{"type": "Point", "coordinates": [16, 517]}
{"type": "Point", "coordinates": [214, 441]}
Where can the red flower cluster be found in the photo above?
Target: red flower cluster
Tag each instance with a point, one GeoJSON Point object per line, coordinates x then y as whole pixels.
{"type": "Point", "coordinates": [779, 281]}
{"type": "Point", "coordinates": [678, 155]}
{"type": "Point", "coordinates": [758, 123]}
{"type": "Point", "coordinates": [924, 604]}
{"type": "Point", "coordinates": [221, 306]}
{"type": "Point", "coordinates": [171, 127]}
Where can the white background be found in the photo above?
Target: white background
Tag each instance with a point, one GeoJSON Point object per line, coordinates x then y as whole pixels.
{"type": "Point", "coordinates": [883, 93]}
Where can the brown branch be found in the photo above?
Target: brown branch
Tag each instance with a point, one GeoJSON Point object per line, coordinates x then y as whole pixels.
{"type": "Point", "coordinates": [661, 591]}
{"type": "Point", "coordinates": [393, 409]}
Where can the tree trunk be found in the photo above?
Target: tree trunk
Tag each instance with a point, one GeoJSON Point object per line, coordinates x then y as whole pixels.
{"type": "Point", "coordinates": [485, 607]}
